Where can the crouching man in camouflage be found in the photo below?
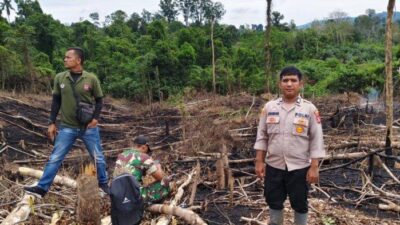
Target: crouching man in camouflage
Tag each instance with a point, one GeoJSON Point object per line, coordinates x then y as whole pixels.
{"type": "Point", "coordinates": [138, 162]}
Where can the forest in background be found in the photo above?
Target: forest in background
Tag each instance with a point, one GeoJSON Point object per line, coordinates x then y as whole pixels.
{"type": "Point", "coordinates": [153, 56]}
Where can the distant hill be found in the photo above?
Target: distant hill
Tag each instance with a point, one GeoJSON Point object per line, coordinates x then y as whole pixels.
{"type": "Point", "coordinates": [382, 17]}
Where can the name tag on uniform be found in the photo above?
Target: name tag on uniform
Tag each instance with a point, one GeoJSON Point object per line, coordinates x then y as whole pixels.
{"type": "Point", "coordinates": [302, 121]}
{"type": "Point", "coordinates": [272, 119]}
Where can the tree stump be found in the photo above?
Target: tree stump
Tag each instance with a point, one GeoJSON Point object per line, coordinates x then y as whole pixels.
{"type": "Point", "coordinates": [88, 205]}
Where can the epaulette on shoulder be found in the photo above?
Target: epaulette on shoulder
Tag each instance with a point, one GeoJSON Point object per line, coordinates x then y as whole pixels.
{"type": "Point", "coordinates": [272, 101]}
{"type": "Point", "coordinates": [306, 101]}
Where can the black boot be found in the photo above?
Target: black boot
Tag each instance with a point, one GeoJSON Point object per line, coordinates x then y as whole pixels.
{"type": "Point", "coordinates": [36, 191]}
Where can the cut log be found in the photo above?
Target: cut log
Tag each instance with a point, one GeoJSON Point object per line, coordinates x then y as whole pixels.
{"type": "Point", "coordinates": [194, 185]}
{"type": "Point", "coordinates": [390, 206]}
{"type": "Point", "coordinates": [23, 209]}
{"type": "Point", "coordinates": [250, 220]}
{"type": "Point", "coordinates": [165, 220]}
{"type": "Point", "coordinates": [187, 215]}
{"type": "Point", "coordinates": [66, 181]}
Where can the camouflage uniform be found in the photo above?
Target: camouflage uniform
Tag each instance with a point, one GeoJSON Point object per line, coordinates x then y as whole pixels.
{"type": "Point", "coordinates": [140, 164]}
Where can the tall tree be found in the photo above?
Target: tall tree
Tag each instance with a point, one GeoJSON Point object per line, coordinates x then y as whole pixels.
{"type": "Point", "coordinates": [214, 13]}
{"type": "Point", "coordinates": [27, 8]}
{"type": "Point", "coordinates": [389, 79]}
{"type": "Point", "coordinates": [95, 18]}
{"type": "Point", "coordinates": [6, 5]}
{"type": "Point", "coordinates": [147, 17]}
{"type": "Point", "coordinates": [277, 17]}
{"type": "Point", "coordinates": [213, 56]}
{"type": "Point", "coordinates": [267, 46]}
{"type": "Point", "coordinates": [135, 22]}
{"type": "Point", "coordinates": [6, 65]}
{"type": "Point", "coordinates": [198, 10]}
{"type": "Point", "coordinates": [339, 26]}
{"type": "Point", "coordinates": [184, 6]}
{"type": "Point", "coordinates": [169, 9]}
{"type": "Point", "coordinates": [215, 10]}
{"type": "Point", "coordinates": [22, 41]}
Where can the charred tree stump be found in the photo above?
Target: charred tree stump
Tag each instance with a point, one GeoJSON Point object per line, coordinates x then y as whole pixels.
{"type": "Point", "coordinates": [224, 173]}
{"type": "Point", "coordinates": [220, 174]}
{"type": "Point", "coordinates": [88, 205]}
{"type": "Point", "coordinates": [167, 128]}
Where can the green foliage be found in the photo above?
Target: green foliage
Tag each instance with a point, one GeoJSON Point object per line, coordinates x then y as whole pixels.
{"type": "Point", "coordinates": [332, 76]}
{"type": "Point", "coordinates": [157, 30]}
{"type": "Point", "coordinates": [169, 9]}
{"type": "Point", "coordinates": [140, 55]}
{"type": "Point", "coordinates": [186, 56]}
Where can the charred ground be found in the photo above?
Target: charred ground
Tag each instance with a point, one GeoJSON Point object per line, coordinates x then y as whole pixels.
{"type": "Point", "coordinates": [195, 129]}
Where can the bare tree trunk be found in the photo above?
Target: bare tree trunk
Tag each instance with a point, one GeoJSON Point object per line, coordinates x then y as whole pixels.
{"type": "Point", "coordinates": [267, 46]}
{"type": "Point", "coordinates": [389, 80]}
{"type": "Point", "coordinates": [3, 77]}
{"type": "Point", "coordinates": [160, 95]}
{"type": "Point", "coordinates": [29, 69]}
{"type": "Point", "coordinates": [213, 55]}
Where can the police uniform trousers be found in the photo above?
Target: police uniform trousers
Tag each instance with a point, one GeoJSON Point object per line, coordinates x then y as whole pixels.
{"type": "Point", "coordinates": [282, 183]}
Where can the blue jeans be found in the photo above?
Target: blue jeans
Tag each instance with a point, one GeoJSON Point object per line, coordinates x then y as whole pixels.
{"type": "Point", "coordinates": [63, 144]}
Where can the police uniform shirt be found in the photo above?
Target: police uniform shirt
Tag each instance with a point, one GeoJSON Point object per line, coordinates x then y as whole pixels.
{"type": "Point", "coordinates": [291, 137]}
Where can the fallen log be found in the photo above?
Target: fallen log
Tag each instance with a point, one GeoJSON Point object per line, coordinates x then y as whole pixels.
{"type": "Point", "coordinates": [26, 120]}
{"type": "Point", "coordinates": [165, 220]}
{"type": "Point", "coordinates": [353, 155]}
{"type": "Point", "coordinates": [388, 170]}
{"type": "Point", "coordinates": [389, 206]}
{"type": "Point", "coordinates": [382, 192]}
{"type": "Point", "coordinates": [23, 128]}
{"type": "Point", "coordinates": [362, 143]}
{"type": "Point", "coordinates": [194, 185]}
{"type": "Point", "coordinates": [23, 209]}
{"type": "Point", "coordinates": [353, 161]}
{"type": "Point", "coordinates": [187, 215]}
{"type": "Point", "coordinates": [250, 220]}
{"type": "Point", "coordinates": [66, 181]}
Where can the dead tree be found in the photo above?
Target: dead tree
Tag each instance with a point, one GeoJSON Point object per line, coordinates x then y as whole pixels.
{"type": "Point", "coordinates": [267, 46]}
{"type": "Point", "coordinates": [213, 55]}
{"type": "Point", "coordinates": [389, 80]}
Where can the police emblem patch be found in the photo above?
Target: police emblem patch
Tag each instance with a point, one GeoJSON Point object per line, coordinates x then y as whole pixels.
{"type": "Point", "coordinates": [317, 117]}
{"type": "Point", "coordinates": [299, 129]}
{"type": "Point", "coordinates": [86, 87]}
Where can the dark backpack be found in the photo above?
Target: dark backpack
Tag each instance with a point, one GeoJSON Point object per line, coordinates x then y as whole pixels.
{"type": "Point", "coordinates": [127, 204]}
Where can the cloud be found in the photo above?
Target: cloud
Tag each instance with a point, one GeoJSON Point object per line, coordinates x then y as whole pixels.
{"type": "Point", "coordinates": [241, 11]}
{"type": "Point", "coordinates": [237, 11]}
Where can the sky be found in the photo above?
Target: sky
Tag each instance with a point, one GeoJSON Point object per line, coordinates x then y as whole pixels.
{"type": "Point", "coordinates": [238, 12]}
